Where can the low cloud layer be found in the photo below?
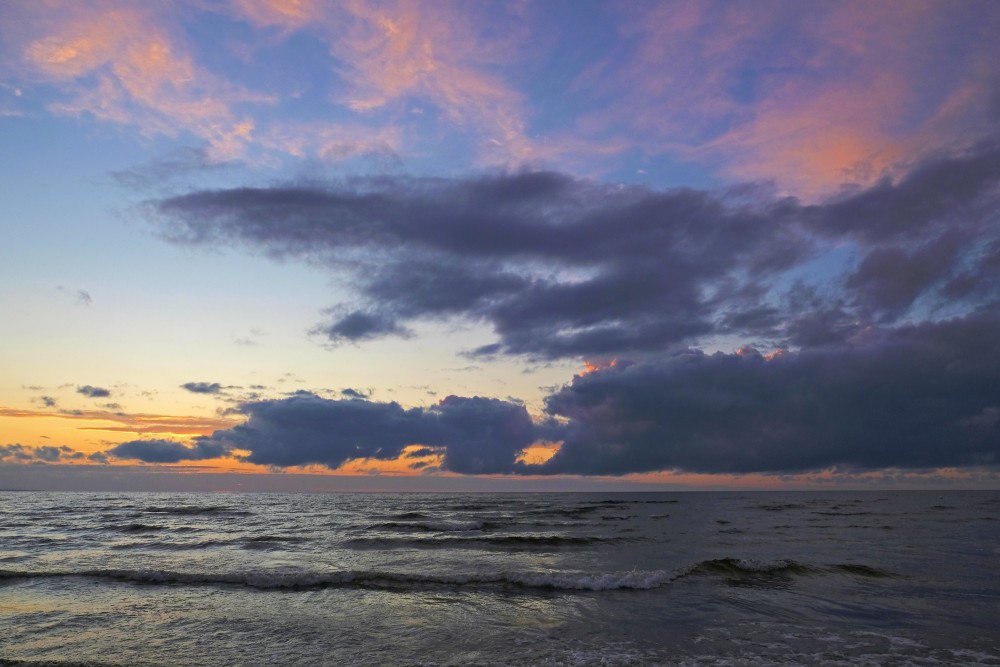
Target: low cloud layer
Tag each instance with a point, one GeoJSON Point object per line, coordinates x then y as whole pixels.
{"type": "Point", "coordinates": [474, 435]}
{"type": "Point", "coordinates": [922, 396]}
{"type": "Point", "coordinates": [166, 451]}
{"type": "Point", "coordinates": [913, 397]}
{"type": "Point", "coordinates": [18, 453]}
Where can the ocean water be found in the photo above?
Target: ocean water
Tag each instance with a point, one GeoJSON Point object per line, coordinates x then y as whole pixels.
{"type": "Point", "coordinates": [898, 578]}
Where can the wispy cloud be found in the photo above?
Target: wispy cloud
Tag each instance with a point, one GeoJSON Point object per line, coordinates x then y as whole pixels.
{"type": "Point", "coordinates": [810, 95]}
{"type": "Point", "coordinates": [126, 63]}
{"type": "Point", "coordinates": [80, 296]}
{"type": "Point", "coordinates": [138, 423]}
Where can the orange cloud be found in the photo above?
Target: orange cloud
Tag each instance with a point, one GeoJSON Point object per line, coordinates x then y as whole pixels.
{"type": "Point", "coordinates": [144, 424]}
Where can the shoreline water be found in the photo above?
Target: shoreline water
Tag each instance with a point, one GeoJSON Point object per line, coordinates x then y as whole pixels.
{"type": "Point", "coordinates": [707, 578]}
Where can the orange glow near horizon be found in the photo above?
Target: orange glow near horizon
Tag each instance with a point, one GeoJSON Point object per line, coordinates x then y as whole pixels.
{"type": "Point", "coordinates": [48, 427]}
{"type": "Point", "coordinates": [539, 452]}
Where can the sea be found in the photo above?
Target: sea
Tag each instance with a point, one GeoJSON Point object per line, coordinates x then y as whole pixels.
{"type": "Point", "coordinates": [688, 578]}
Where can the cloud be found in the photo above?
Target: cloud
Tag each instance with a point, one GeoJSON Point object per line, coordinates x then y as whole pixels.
{"type": "Point", "coordinates": [128, 64]}
{"type": "Point", "coordinates": [566, 267]}
{"type": "Point", "coordinates": [809, 96]}
{"type": "Point", "coordinates": [476, 435]}
{"type": "Point", "coordinates": [167, 451]}
{"type": "Point", "coordinates": [93, 392]}
{"type": "Point", "coordinates": [360, 326]}
{"type": "Point", "coordinates": [348, 392]}
{"type": "Point", "coordinates": [911, 397]}
{"type": "Point", "coordinates": [17, 453]}
{"type": "Point", "coordinates": [80, 297]}
{"type": "Point", "coordinates": [392, 55]}
{"type": "Point", "coordinates": [119, 422]}
{"type": "Point", "coordinates": [917, 396]}
{"type": "Point", "coordinates": [202, 387]}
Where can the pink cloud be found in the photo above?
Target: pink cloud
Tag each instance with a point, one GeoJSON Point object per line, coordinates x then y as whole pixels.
{"type": "Point", "coordinates": [332, 142]}
{"type": "Point", "coordinates": [391, 54]}
{"type": "Point", "coordinates": [121, 64]}
{"type": "Point", "coordinates": [808, 95]}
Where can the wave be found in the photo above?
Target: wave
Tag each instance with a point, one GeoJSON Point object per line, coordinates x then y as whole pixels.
{"type": "Point", "coordinates": [670, 501]}
{"type": "Point", "coordinates": [778, 507]}
{"type": "Point", "coordinates": [140, 528]}
{"type": "Point", "coordinates": [194, 510]}
{"type": "Point", "coordinates": [862, 570]}
{"type": "Point", "coordinates": [257, 542]}
{"type": "Point", "coordinates": [569, 581]}
{"type": "Point", "coordinates": [749, 566]}
{"type": "Point", "coordinates": [745, 568]}
{"type": "Point", "coordinates": [439, 526]}
{"type": "Point", "coordinates": [740, 571]}
{"type": "Point", "coordinates": [510, 542]}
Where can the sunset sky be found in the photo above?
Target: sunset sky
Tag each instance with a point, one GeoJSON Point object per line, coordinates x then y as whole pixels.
{"type": "Point", "coordinates": [512, 245]}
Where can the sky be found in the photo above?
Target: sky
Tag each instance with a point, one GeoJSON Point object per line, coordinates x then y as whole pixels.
{"type": "Point", "coordinates": [556, 245]}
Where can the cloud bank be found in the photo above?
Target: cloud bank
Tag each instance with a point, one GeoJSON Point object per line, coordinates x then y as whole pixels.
{"type": "Point", "coordinates": [876, 313]}
{"type": "Point", "coordinates": [919, 397]}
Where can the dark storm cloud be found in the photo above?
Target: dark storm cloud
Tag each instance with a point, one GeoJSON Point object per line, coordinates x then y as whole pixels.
{"type": "Point", "coordinates": [475, 435]}
{"type": "Point", "coordinates": [93, 392]}
{"type": "Point", "coordinates": [167, 451]}
{"type": "Point", "coordinates": [202, 387]}
{"type": "Point", "coordinates": [567, 267]}
{"type": "Point", "coordinates": [917, 396]}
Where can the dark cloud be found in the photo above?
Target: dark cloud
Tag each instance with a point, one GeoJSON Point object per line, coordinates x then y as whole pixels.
{"type": "Point", "coordinates": [202, 387]}
{"type": "Point", "coordinates": [919, 396]}
{"type": "Point", "coordinates": [360, 326]}
{"type": "Point", "coordinates": [567, 267]}
{"type": "Point", "coordinates": [353, 393]}
{"type": "Point", "coordinates": [885, 300]}
{"type": "Point", "coordinates": [910, 397]}
{"type": "Point", "coordinates": [17, 453]}
{"type": "Point", "coordinates": [167, 451]}
{"type": "Point", "coordinates": [93, 392]}
{"type": "Point", "coordinates": [476, 435]}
